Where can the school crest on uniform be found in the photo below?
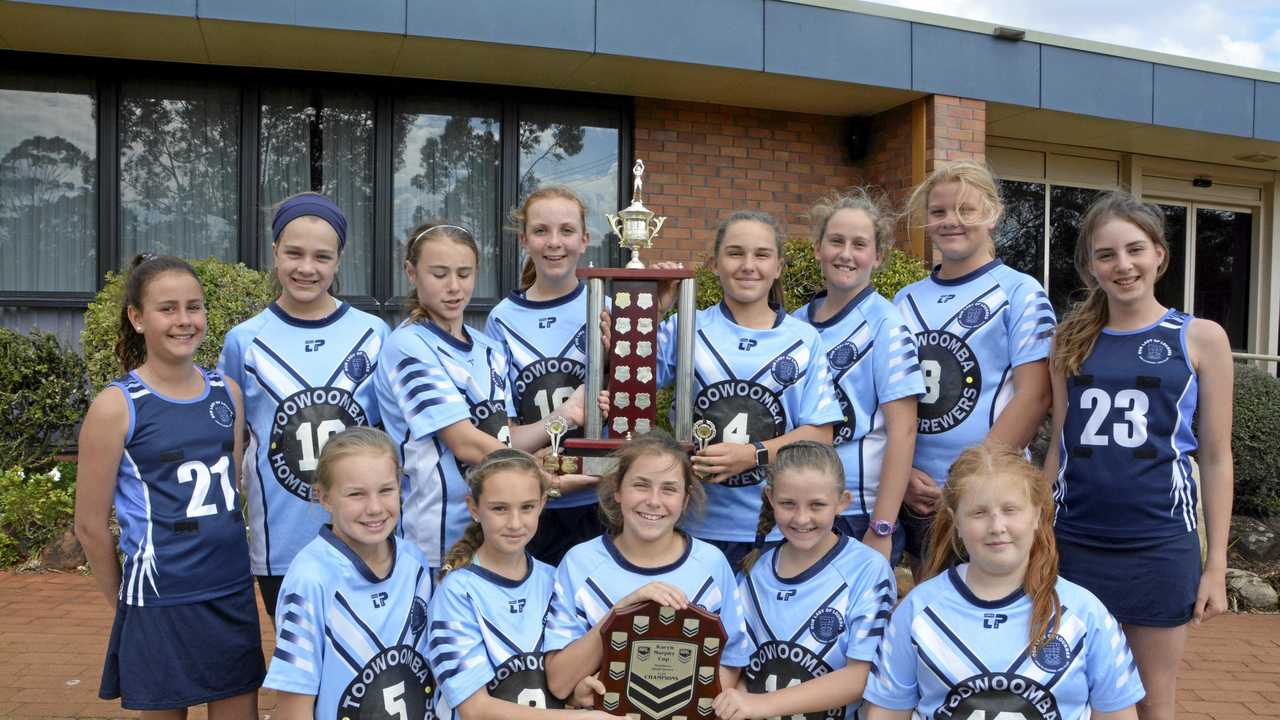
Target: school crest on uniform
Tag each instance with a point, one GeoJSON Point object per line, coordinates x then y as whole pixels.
{"type": "Point", "coordinates": [497, 380]}
{"type": "Point", "coordinates": [357, 366]}
{"type": "Point", "coordinates": [974, 315]}
{"type": "Point", "coordinates": [580, 339]}
{"type": "Point", "coordinates": [785, 370]}
{"type": "Point", "coordinates": [1053, 655]}
{"type": "Point", "coordinates": [222, 413]}
{"type": "Point", "coordinates": [826, 624]}
{"type": "Point", "coordinates": [1154, 351]}
{"type": "Point", "coordinates": [418, 616]}
{"type": "Point", "coordinates": [841, 356]}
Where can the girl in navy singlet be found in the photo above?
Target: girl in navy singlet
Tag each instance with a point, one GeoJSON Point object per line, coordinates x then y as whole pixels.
{"type": "Point", "coordinates": [1128, 376]}
{"type": "Point", "coordinates": [164, 442]}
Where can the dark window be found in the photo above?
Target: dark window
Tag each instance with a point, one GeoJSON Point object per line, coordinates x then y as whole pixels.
{"type": "Point", "coordinates": [48, 183]}
{"type": "Point", "coordinates": [447, 167]}
{"type": "Point", "coordinates": [321, 141]}
{"type": "Point", "coordinates": [1020, 235]}
{"type": "Point", "coordinates": [1171, 287]}
{"type": "Point", "coordinates": [179, 165]}
{"type": "Point", "coordinates": [1067, 208]}
{"type": "Point", "coordinates": [1223, 241]}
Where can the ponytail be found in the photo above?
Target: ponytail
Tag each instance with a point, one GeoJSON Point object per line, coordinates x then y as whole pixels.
{"type": "Point", "coordinates": [528, 275]}
{"type": "Point", "coordinates": [502, 460]}
{"type": "Point", "coordinates": [764, 525]}
{"type": "Point", "coordinates": [131, 346]}
{"type": "Point", "coordinates": [982, 464]}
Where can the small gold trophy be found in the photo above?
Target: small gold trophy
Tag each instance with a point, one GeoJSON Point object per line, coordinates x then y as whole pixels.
{"type": "Point", "coordinates": [556, 428]}
{"type": "Point", "coordinates": [703, 432]}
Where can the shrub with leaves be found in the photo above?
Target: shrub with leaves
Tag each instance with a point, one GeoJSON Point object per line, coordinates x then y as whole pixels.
{"type": "Point", "coordinates": [35, 509]}
{"type": "Point", "coordinates": [1255, 427]}
{"type": "Point", "coordinates": [232, 294]}
{"type": "Point", "coordinates": [43, 395]}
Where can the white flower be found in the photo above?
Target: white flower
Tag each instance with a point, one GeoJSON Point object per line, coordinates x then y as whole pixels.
{"type": "Point", "coordinates": [55, 475]}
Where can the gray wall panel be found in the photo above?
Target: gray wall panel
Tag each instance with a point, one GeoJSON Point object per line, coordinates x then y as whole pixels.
{"type": "Point", "coordinates": [835, 45]}
{"type": "Point", "coordinates": [954, 62]}
{"type": "Point", "coordinates": [725, 33]}
{"type": "Point", "coordinates": [184, 8]}
{"type": "Point", "coordinates": [1093, 84]}
{"type": "Point", "coordinates": [65, 324]}
{"type": "Point", "coordinates": [1266, 113]}
{"type": "Point", "coordinates": [559, 24]}
{"type": "Point", "coordinates": [385, 16]}
{"type": "Point", "coordinates": [1205, 101]}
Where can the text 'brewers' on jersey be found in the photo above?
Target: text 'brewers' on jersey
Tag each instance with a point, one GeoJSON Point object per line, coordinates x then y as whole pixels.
{"type": "Point", "coordinates": [594, 575]}
{"type": "Point", "coordinates": [1127, 439]}
{"type": "Point", "coordinates": [428, 380]}
{"type": "Point", "coordinates": [752, 385]}
{"type": "Point", "coordinates": [546, 344]}
{"type": "Point", "coordinates": [303, 382]}
{"type": "Point", "coordinates": [951, 656]}
{"type": "Point", "coordinates": [181, 532]}
{"type": "Point", "coordinates": [971, 332]}
{"type": "Point", "coordinates": [356, 642]}
{"type": "Point", "coordinates": [804, 627]}
{"type": "Point", "coordinates": [873, 361]}
{"type": "Point", "coordinates": [487, 632]}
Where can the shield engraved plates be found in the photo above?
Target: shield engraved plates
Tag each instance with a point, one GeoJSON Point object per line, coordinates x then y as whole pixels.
{"type": "Point", "coordinates": [661, 663]}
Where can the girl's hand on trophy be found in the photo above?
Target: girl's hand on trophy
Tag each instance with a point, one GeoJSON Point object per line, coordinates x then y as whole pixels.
{"type": "Point", "coordinates": [667, 289]}
{"type": "Point", "coordinates": [659, 592]}
{"type": "Point", "coordinates": [719, 462]}
{"type": "Point", "coordinates": [735, 704]}
{"type": "Point", "coordinates": [572, 408]}
{"type": "Point", "coordinates": [606, 331]}
{"type": "Point", "coordinates": [602, 399]}
{"type": "Point", "coordinates": [584, 696]}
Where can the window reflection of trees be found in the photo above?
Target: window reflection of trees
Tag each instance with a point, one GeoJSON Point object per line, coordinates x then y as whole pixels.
{"type": "Point", "coordinates": [324, 142]}
{"type": "Point", "coordinates": [1020, 234]}
{"type": "Point", "coordinates": [1223, 242]}
{"type": "Point", "coordinates": [1171, 288]}
{"type": "Point", "coordinates": [179, 159]}
{"type": "Point", "coordinates": [1067, 208]}
{"type": "Point", "coordinates": [48, 185]}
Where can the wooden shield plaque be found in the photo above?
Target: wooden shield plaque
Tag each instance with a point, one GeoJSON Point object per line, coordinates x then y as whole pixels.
{"type": "Point", "coordinates": [661, 663]}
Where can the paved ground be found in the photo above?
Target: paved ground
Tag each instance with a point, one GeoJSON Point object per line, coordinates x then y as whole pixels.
{"type": "Point", "coordinates": [53, 632]}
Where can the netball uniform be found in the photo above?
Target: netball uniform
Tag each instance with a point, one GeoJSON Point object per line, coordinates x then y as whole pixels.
{"type": "Point", "coordinates": [426, 381]}
{"type": "Point", "coordinates": [594, 576]}
{"type": "Point", "coordinates": [303, 381]}
{"type": "Point", "coordinates": [355, 641]}
{"type": "Point", "coordinates": [873, 361]}
{"type": "Point", "coordinates": [546, 344]}
{"type": "Point", "coordinates": [185, 571]}
{"type": "Point", "coordinates": [951, 656]}
{"type": "Point", "coordinates": [806, 626]}
{"type": "Point", "coordinates": [1130, 407]}
{"type": "Point", "coordinates": [752, 385]}
{"type": "Point", "coordinates": [971, 332]}
{"type": "Point", "coordinates": [487, 632]}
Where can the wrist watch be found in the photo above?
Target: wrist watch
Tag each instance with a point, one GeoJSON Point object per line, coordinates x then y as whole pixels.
{"type": "Point", "coordinates": [883, 528]}
{"type": "Point", "coordinates": [762, 454]}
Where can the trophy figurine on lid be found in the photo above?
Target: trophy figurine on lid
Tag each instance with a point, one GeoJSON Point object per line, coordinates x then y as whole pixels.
{"type": "Point", "coordinates": [632, 360]}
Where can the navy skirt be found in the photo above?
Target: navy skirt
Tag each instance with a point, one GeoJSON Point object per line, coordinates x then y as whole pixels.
{"type": "Point", "coordinates": [177, 656]}
{"type": "Point", "coordinates": [1151, 582]}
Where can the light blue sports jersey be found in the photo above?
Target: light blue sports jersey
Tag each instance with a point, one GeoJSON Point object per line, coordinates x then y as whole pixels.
{"type": "Point", "coordinates": [873, 361]}
{"type": "Point", "coordinates": [428, 380]}
{"type": "Point", "coordinates": [546, 344]}
{"type": "Point", "coordinates": [1130, 406]}
{"type": "Point", "coordinates": [971, 332]}
{"type": "Point", "coordinates": [355, 642]}
{"type": "Point", "coordinates": [303, 381]}
{"type": "Point", "coordinates": [951, 656]}
{"type": "Point", "coordinates": [751, 385]}
{"type": "Point", "coordinates": [804, 627]}
{"type": "Point", "coordinates": [181, 531]}
{"type": "Point", "coordinates": [594, 575]}
{"type": "Point", "coordinates": [487, 632]}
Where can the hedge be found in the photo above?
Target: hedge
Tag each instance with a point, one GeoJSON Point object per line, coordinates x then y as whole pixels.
{"type": "Point", "coordinates": [42, 397]}
{"type": "Point", "coordinates": [1255, 442]}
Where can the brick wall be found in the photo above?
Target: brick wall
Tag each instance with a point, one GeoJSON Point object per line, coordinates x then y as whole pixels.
{"type": "Point", "coordinates": [704, 161]}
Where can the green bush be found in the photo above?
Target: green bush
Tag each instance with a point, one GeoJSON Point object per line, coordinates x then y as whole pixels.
{"type": "Point", "coordinates": [801, 279]}
{"type": "Point", "coordinates": [1255, 427]}
{"type": "Point", "coordinates": [232, 294]}
{"type": "Point", "coordinates": [42, 397]}
{"type": "Point", "coordinates": [35, 509]}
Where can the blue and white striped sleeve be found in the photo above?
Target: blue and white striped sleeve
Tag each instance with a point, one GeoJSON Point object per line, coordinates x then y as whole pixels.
{"type": "Point", "coordinates": [892, 682]}
{"type": "Point", "coordinates": [456, 650]}
{"type": "Point", "coordinates": [231, 359]}
{"type": "Point", "coordinates": [298, 661]}
{"type": "Point", "coordinates": [1114, 683]}
{"type": "Point", "coordinates": [1031, 323]}
{"type": "Point", "coordinates": [567, 620]}
{"type": "Point", "coordinates": [737, 647]}
{"type": "Point", "coordinates": [870, 607]}
{"type": "Point", "coordinates": [897, 367]}
{"type": "Point", "coordinates": [422, 390]}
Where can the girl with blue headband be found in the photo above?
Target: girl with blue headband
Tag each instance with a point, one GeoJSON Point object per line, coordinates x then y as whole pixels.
{"type": "Point", "coordinates": [306, 365]}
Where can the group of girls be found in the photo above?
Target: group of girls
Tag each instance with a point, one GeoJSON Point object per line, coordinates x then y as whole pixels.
{"type": "Point", "coordinates": [852, 428]}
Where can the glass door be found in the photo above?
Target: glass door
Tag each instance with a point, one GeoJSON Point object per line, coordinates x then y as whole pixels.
{"type": "Point", "coordinates": [1210, 264]}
